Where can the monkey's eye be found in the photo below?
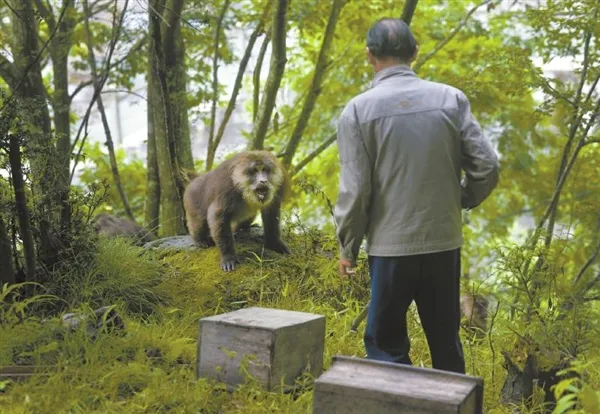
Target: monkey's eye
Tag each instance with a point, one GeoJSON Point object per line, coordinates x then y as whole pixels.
{"type": "Point", "coordinates": [252, 171]}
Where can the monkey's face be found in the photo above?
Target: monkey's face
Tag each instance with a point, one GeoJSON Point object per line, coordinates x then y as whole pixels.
{"type": "Point", "coordinates": [258, 178]}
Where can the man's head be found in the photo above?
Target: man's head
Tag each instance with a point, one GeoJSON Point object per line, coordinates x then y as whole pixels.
{"type": "Point", "coordinates": [390, 42]}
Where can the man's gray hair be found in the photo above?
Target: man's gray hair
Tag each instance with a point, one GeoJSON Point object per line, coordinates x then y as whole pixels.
{"type": "Point", "coordinates": [391, 38]}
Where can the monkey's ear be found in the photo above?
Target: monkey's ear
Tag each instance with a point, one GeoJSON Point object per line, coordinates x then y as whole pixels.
{"type": "Point", "coordinates": [188, 175]}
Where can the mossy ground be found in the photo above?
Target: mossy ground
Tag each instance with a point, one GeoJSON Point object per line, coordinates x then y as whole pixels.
{"type": "Point", "coordinates": [162, 295]}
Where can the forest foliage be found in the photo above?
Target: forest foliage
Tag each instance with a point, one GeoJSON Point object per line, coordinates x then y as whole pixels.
{"type": "Point", "coordinates": [543, 278]}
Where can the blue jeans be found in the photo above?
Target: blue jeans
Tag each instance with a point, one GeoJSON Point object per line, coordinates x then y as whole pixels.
{"type": "Point", "coordinates": [433, 282]}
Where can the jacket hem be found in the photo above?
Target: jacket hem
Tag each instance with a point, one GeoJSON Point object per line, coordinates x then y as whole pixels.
{"type": "Point", "coordinates": [413, 249]}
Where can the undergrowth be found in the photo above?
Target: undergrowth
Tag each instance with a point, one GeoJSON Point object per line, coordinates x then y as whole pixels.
{"type": "Point", "coordinates": [161, 295]}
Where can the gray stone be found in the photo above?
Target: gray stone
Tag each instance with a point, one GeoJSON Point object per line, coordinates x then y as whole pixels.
{"type": "Point", "coordinates": [282, 344]}
{"type": "Point", "coordinates": [357, 385]}
{"type": "Point", "coordinates": [104, 317]}
{"type": "Point", "coordinates": [251, 235]}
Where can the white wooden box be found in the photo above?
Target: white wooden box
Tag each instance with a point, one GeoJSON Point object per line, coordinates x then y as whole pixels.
{"type": "Point", "coordinates": [357, 385]}
{"type": "Point", "coordinates": [283, 344]}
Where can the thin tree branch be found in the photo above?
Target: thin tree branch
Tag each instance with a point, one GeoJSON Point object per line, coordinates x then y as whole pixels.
{"type": "Point", "coordinates": [215, 85]}
{"type": "Point", "coordinates": [421, 61]}
{"type": "Point", "coordinates": [592, 89]}
{"type": "Point", "coordinates": [139, 44]}
{"type": "Point", "coordinates": [587, 264]}
{"type": "Point", "coordinates": [563, 177]}
{"type": "Point", "coordinates": [46, 12]}
{"type": "Point", "coordinates": [278, 62]}
{"type": "Point", "coordinates": [256, 76]}
{"type": "Point", "coordinates": [97, 85]}
{"type": "Point", "coordinates": [317, 80]}
{"type": "Point", "coordinates": [409, 10]}
{"type": "Point", "coordinates": [591, 284]}
{"type": "Point", "coordinates": [576, 122]}
{"type": "Point", "coordinates": [8, 71]}
{"type": "Point", "coordinates": [36, 59]}
{"type": "Point", "coordinates": [124, 91]}
{"type": "Point", "coordinates": [86, 117]}
{"type": "Point", "coordinates": [314, 154]}
{"type": "Point", "coordinates": [557, 93]}
{"type": "Point", "coordinates": [212, 149]}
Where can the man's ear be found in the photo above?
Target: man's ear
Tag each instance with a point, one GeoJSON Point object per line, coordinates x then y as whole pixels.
{"type": "Point", "coordinates": [414, 56]}
{"type": "Point", "coordinates": [370, 56]}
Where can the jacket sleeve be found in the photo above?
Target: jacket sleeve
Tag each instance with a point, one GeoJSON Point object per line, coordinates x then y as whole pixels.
{"type": "Point", "coordinates": [352, 207]}
{"type": "Point", "coordinates": [479, 160]}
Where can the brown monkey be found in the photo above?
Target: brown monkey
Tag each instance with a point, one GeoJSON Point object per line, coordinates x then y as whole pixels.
{"type": "Point", "coordinates": [228, 198]}
{"type": "Point", "coordinates": [110, 225]}
{"type": "Point", "coordinates": [475, 309]}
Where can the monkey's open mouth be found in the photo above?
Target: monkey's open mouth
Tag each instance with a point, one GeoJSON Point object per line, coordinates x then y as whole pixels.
{"type": "Point", "coordinates": [262, 192]}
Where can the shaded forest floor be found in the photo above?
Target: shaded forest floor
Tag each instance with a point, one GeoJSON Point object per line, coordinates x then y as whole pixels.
{"type": "Point", "coordinates": [161, 295]}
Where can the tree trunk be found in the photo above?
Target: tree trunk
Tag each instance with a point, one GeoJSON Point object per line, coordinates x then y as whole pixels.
{"type": "Point", "coordinates": [40, 151]}
{"type": "Point", "coordinates": [60, 47]}
{"type": "Point", "coordinates": [62, 127]}
{"type": "Point", "coordinates": [173, 146]}
{"type": "Point", "coordinates": [151, 206]}
{"type": "Point", "coordinates": [25, 232]}
{"type": "Point", "coordinates": [177, 84]}
{"type": "Point", "coordinates": [7, 268]}
{"type": "Point", "coordinates": [278, 62]}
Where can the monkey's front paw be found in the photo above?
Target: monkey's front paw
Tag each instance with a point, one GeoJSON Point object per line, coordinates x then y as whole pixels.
{"type": "Point", "coordinates": [228, 263]}
{"type": "Point", "coordinates": [278, 246]}
{"type": "Point", "coordinates": [204, 242]}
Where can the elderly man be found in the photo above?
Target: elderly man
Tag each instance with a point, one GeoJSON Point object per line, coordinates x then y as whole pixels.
{"type": "Point", "coordinates": [402, 146]}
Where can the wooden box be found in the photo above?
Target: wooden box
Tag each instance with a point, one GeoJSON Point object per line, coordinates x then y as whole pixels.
{"type": "Point", "coordinates": [356, 385]}
{"type": "Point", "coordinates": [282, 343]}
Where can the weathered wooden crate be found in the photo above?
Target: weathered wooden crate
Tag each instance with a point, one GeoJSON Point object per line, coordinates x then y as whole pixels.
{"type": "Point", "coordinates": [19, 373]}
{"type": "Point", "coordinates": [282, 345]}
{"type": "Point", "coordinates": [356, 385]}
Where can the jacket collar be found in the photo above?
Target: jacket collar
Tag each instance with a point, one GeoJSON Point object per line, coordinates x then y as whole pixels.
{"type": "Point", "coordinates": [396, 70]}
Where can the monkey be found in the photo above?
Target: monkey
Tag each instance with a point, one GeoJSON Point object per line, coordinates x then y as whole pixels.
{"type": "Point", "coordinates": [475, 309]}
{"type": "Point", "coordinates": [220, 202]}
{"type": "Point", "coordinates": [110, 225]}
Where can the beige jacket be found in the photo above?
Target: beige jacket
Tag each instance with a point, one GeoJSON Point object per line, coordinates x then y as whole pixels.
{"type": "Point", "coordinates": [402, 146]}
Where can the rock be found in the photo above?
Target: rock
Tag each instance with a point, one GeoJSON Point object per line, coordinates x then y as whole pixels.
{"type": "Point", "coordinates": [252, 235]}
{"type": "Point", "coordinates": [113, 226]}
{"type": "Point", "coordinates": [113, 322]}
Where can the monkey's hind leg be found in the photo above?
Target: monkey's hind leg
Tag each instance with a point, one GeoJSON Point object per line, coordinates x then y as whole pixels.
{"type": "Point", "coordinates": [272, 233]}
{"type": "Point", "coordinates": [200, 232]}
{"type": "Point", "coordinates": [219, 223]}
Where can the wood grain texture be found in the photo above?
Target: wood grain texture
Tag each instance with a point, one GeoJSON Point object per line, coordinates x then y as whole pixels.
{"type": "Point", "coordinates": [356, 385]}
{"type": "Point", "coordinates": [281, 343]}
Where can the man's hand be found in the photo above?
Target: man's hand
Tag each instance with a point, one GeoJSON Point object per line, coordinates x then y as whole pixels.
{"type": "Point", "coordinates": [346, 267]}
